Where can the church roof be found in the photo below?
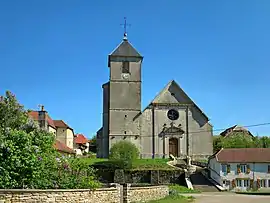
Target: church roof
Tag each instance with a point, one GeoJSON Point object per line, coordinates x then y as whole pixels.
{"type": "Point", "coordinates": [185, 99]}
{"type": "Point", "coordinates": [125, 49]}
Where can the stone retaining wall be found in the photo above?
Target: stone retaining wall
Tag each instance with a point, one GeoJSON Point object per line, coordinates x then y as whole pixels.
{"type": "Point", "coordinates": [115, 194]}
{"type": "Point", "coordinates": [142, 194]}
{"type": "Point", "coordinates": [110, 195]}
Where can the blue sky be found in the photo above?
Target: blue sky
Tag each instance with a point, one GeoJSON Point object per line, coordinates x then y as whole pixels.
{"type": "Point", "coordinates": [55, 53]}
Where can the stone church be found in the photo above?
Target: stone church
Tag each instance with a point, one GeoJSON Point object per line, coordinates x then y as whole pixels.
{"type": "Point", "coordinates": [171, 124]}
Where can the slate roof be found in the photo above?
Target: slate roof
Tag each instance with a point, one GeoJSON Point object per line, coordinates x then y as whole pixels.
{"type": "Point", "coordinates": [61, 147]}
{"type": "Point", "coordinates": [243, 155]}
{"type": "Point", "coordinates": [80, 139]}
{"type": "Point", "coordinates": [173, 82]}
{"type": "Point", "coordinates": [34, 115]}
{"type": "Point", "coordinates": [125, 49]}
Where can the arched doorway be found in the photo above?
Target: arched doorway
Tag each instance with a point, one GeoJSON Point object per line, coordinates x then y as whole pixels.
{"type": "Point", "coordinates": [173, 146]}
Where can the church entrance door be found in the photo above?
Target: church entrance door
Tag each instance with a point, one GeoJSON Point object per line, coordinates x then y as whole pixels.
{"type": "Point", "coordinates": [173, 146]}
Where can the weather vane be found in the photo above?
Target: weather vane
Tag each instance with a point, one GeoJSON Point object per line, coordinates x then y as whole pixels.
{"type": "Point", "coordinates": [125, 28]}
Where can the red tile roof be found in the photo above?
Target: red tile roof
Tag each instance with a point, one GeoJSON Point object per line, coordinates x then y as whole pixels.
{"type": "Point", "coordinates": [34, 115]}
{"type": "Point", "coordinates": [61, 147]}
{"type": "Point", "coordinates": [244, 155]}
{"type": "Point", "coordinates": [80, 139]}
{"type": "Point", "coordinates": [61, 124]}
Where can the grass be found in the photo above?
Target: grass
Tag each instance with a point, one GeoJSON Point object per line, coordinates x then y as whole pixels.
{"type": "Point", "coordinates": [174, 199]}
{"type": "Point", "coordinates": [139, 164]}
{"type": "Point", "coordinates": [151, 164]}
{"type": "Point", "coordinates": [182, 189]}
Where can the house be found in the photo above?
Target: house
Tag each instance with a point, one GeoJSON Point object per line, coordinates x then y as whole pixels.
{"type": "Point", "coordinates": [241, 168]}
{"type": "Point", "coordinates": [236, 129]}
{"type": "Point", "coordinates": [160, 129]}
{"type": "Point", "coordinates": [63, 133]}
{"type": "Point", "coordinates": [81, 144]}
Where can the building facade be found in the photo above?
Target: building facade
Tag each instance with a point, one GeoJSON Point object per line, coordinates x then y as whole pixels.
{"type": "Point", "coordinates": [171, 124]}
{"type": "Point", "coordinates": [241, 169]}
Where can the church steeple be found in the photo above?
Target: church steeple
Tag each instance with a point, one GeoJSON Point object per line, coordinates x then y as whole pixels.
{"type": "Point", "coordinates": [124, 51]}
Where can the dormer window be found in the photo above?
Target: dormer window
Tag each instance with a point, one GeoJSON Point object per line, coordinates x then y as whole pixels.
{"type": "Point", "coordinates": [125, 67]}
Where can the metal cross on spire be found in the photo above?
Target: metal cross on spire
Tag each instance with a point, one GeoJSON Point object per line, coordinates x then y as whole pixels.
{"type": "Point", "coordinates": [125, 28]}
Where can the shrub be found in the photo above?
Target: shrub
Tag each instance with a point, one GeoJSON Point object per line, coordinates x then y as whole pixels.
{"type": "Point", "coordinates": [125, 153]}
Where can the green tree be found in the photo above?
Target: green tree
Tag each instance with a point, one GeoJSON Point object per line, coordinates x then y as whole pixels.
{"type": "Point", "coordinates": [125, 152]}
{"type": "Point", "coordinates": [217, 143]}
{"type": "Point", "coordinates": [237, 140]}
{"type": "Point", "coordinates": [27, 156]}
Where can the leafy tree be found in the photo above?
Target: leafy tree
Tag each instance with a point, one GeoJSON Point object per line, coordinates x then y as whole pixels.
{"type": "Point", "coordinates": [27, 156]}
{"type": "Point", "coordinates": [237, 140]}
{"type": "Point", "coordinates": [124, 151]}
{"type": "Point", "coordinates": [217, 143]}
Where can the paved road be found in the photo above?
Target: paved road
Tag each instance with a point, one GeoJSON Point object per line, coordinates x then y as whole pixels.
{"type": "Point", "coordinates": [224, 197]}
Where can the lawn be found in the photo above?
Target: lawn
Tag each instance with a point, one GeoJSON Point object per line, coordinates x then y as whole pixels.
{"type": "Point", "coordinates": [139, 164]}
{"type": "Point", "coordinates": [173, 199]}
{"type": "Point", "coordinates": [182, 189]}
{"type": "Point", "coordinates": [151, 164]}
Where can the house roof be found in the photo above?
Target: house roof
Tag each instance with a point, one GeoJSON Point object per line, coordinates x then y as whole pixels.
{"type": "Point", "coordinates": [61, 147]}
{"type": "Point", "coordinates": [235, 128]}
{"type": "Point", "coordinates": [61, 124]}
{"type": "Point", "coordinates": [34, 115]}
{"type": "Point", "coordinates": [80, 139]}
{"type": "Point", "coordinates": [243, 155]}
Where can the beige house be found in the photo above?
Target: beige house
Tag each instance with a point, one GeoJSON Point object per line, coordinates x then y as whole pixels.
{"type": "Point", "coordinates": [64, 134]}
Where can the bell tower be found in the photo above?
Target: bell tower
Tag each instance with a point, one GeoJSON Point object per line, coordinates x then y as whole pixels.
{"type": "Point", "coordinates": [124, 89]}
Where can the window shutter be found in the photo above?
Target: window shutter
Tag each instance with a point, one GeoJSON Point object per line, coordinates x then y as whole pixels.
{"type": "Point", "coordinates": [233, 183]}
{"type": "Point", "coordinates": [238, 169]}
{"type": "Point", "coordinates": [228, 168]}
{"type": "Point", "coordinates": [248, 169]}
{"type": "Point", "coordinates": [251, 183]}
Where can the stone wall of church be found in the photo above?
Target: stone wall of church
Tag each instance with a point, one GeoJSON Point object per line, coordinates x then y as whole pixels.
{"type": "Point", "coordinates": [200, 132]}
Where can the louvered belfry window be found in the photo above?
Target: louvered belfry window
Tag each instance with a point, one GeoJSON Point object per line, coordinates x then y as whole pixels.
{"type": "Point", "coordinates": [125, 67]}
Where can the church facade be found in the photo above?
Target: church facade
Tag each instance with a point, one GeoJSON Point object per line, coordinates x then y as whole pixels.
{"type": "Point", "coordinates": [171, 124]}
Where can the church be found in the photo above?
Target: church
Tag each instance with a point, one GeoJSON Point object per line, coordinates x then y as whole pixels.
{"type": "Point", "coordinates": [172, 124]}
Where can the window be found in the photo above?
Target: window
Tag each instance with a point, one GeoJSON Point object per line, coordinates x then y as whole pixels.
{"type": "Point", "coordinates": [269, 183]}
{"type": "Point", "coordinates": [243, 168]}
{"type": "Point", "coordinates": [268, 168]}
{"type": "Point", "coordinates": [238, 182]}
{"type": "Point", "coordinates": [125, 67]}
{"type": "Point", "coordinates": [263, 183]}
{"type": "Point", "coordinates": [223, 168]}
{"type": "Point", "coordinates": [246, 183]}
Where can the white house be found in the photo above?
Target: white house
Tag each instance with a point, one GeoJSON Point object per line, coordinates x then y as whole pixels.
{"type": "Point", "coordinates": [241, 168]}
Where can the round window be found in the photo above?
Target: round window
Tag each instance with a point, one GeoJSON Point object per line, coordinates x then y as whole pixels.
{"type": "Point", "coordinates": [173, 114]}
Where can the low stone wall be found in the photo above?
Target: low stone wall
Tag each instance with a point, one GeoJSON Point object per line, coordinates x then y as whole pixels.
{"type": "Point", "coordinates": [110, 195]}
{"type": "Point", "coordinates": [115, 194]}
{"type": "Point", "coordinates": [142, 194]}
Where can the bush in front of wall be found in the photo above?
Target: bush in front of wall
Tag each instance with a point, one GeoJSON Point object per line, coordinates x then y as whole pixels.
{"type": "Point", "coordinates": [124, 152]}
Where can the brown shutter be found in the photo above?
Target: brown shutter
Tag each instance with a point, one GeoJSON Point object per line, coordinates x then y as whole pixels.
{"type": "Point", "coordinates": [238, 169]}
{"type": "Point", "coordinates": [248, 169]}
{"type": "Point", "coordinates": [233, 183]}
{"type": "Point", "coordinates": [228, 168]}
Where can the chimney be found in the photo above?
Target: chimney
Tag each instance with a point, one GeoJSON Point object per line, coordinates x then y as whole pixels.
{"type": "Point", "coordinates": [42, 114]}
